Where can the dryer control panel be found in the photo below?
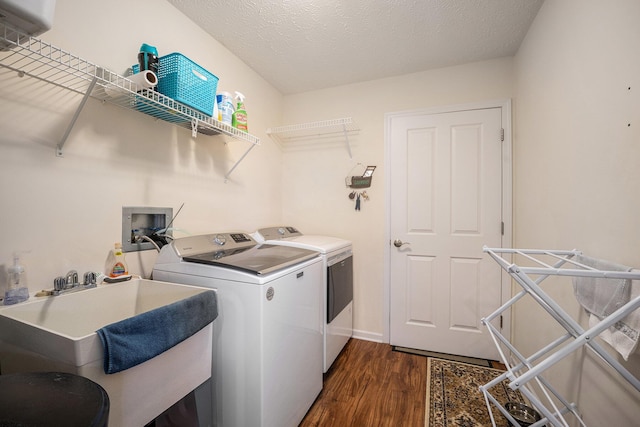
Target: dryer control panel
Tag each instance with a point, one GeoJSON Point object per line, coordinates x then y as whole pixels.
{"type": "Point", "coordinates": [275, 233]}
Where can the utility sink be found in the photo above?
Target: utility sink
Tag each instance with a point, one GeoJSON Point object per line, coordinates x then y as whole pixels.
{"type": "Point", "coordinates": [59, 334]}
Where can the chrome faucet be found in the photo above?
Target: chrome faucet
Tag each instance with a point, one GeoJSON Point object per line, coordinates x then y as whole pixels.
{"type": "Point", "coordinates": [71, 283]}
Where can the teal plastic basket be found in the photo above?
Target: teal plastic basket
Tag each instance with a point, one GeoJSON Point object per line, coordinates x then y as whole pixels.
{"type": "Point", "coordinates": [185, 81]}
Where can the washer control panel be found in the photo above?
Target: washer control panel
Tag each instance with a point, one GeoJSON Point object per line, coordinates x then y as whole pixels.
{"type": "Point", "coordinates": [193, 245]}
{"type": "Point", "coordinates": [240, 237]}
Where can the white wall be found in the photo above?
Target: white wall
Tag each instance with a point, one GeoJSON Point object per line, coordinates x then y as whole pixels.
{"type": "Point", "coordinates": [314, 194]}
{"type": "Point", "coordinates": [575, 158]}
{"type": "Point", "coordinates": [67, 211]}
{"type": "Point", "coordinates": [577, 128]}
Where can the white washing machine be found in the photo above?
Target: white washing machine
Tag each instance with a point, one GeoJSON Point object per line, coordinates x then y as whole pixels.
{"type": "Point", "coordinates": [337, 258]}
{"type": "Point", "coordinates": [267, 339]}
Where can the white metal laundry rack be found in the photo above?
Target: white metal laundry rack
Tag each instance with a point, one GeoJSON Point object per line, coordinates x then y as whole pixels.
{"type": "Point", "coordinates": [526, 372]}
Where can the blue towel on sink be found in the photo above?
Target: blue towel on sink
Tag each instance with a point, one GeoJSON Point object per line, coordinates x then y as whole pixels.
{"type": "Point", "coordinates": [132, 341]}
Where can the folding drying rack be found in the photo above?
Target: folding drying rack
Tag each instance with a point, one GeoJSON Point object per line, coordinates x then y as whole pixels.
{"type": "Point", "coordinates": [525, 374]}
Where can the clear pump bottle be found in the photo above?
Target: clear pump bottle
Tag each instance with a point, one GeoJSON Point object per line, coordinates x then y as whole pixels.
{"type": "Point", "coordinates": [17, 290]}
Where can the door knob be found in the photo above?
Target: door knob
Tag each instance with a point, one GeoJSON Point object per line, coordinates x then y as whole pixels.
{"type": "Point", "coordinates": [398, 243]}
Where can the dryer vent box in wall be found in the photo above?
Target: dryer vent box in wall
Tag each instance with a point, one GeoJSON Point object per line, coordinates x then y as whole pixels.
{"type": "Point", "coordinates": [143, 221]}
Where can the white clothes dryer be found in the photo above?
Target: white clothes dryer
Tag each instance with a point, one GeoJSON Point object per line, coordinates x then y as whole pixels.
{"type": "Point", "coordinates": [337, 259]}
{"type": "Point", "coordinates": [267, 339]}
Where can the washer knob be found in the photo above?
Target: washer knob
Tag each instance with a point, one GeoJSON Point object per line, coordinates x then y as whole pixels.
{"type": "Point", "coordinates": [281, 231]}
{"type": "Point", "coordinates": [219, 239]}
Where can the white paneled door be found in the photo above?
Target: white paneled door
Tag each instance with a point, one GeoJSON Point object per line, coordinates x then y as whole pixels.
{"type": "Point", "coordinates": [446, 203]}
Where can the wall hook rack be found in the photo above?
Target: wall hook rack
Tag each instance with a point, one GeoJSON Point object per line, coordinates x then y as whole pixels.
{"type": "Point", "coordinates": [361, 181]}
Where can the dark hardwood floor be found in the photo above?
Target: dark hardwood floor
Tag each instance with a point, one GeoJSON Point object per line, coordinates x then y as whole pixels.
{"type": "Point", "coordinates": [371, 385]}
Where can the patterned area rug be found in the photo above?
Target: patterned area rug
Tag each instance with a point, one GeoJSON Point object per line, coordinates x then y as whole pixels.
{"type": "Point", "coordinates": [455, 400]}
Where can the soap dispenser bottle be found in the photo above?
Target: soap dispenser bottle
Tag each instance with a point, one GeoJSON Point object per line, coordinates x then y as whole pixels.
{"type": "Point", "coordinates": [239, 119]}
{"type": "Point", "coordinates": [116, 263]}
{"type": "Point", "coordinates": [18, 290]}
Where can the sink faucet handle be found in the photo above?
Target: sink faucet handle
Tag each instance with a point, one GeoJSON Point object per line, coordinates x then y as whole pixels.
{"type": "Point", "coordinates": [59, 283]}
{"type": "Point", "coordinates": [90, 278]}
{"type": "Point", "coordinates": [72, 278]}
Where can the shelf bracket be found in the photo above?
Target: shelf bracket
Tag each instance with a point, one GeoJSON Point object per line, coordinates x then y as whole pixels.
{"type": "Point", "coordinates": [226, 177]}
{"type": "Point", "coordinates": [75, 117]}
{"type": "Point", "coordinates": [346, 137]}
{"type": "Point", "coordinates": [194, 128]}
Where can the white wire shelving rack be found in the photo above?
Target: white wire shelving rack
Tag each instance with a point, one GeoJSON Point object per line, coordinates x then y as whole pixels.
{"type": "Point", "coordinates": [525, 373]}
{"type": "Point", "coordinates": [32, 57]}
{"type": "Point", "coordinates": [289, 134]}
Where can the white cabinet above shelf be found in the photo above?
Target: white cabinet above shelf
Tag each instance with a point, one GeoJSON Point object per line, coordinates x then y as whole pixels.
{"type": "Point", "coordinates": [29, 56]}
{"type": "Point", "coordinates": [288, 135]}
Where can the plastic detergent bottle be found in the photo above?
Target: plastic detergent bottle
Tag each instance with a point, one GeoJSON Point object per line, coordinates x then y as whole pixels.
{"type": "Point", "coordinates": [225, 107]}
{"type": "Point", "coordinates": [239, 120]}
{"type": "Point", "coordinates": [116, 263]}
{"type": "Point", "coordinates": [17, 290]}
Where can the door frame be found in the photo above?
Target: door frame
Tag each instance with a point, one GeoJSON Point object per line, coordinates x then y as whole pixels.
{"type": "Point", "coordinates": [507, 199]}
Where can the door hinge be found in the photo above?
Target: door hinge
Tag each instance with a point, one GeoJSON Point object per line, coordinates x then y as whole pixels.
{"type": "Point", "coordinates": [501, 319]}
{"type": "Point", "coordinates": [502, 228]}
{"type": "Point", "coordinates": [502, 134]}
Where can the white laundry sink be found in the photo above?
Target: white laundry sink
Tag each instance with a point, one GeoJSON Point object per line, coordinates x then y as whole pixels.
{"type": "Point", "coordinates": [59, 334]}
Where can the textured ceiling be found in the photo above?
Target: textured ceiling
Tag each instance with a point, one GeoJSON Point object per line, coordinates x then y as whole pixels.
{"type": "Point", "coordinates": [302, 45]}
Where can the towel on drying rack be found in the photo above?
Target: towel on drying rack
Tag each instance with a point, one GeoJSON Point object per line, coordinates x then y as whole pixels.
{"type": "Point", "coordinates": [600, 297]}
{"type": "Point", "coordinates": [625, 334]}
{"type": "Point", "coordinates": [135, 340]}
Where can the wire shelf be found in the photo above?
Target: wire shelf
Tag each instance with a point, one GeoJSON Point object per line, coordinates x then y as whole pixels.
{"type": "Point", "coordinates": [312, 131]}
{"type": "Point", "coordinates": [29, 56]}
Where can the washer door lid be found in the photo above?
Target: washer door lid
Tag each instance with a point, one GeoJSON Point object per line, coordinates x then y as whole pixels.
{"type": "Point", "coordinates": [260, 260]}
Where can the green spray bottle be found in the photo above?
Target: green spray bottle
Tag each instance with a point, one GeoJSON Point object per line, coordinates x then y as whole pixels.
{"type": "Point", "coordinates": [239, 119]}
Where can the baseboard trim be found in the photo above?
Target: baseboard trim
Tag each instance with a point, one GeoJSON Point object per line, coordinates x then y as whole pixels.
{"type": "Point", "coordinates": [367, 336]}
